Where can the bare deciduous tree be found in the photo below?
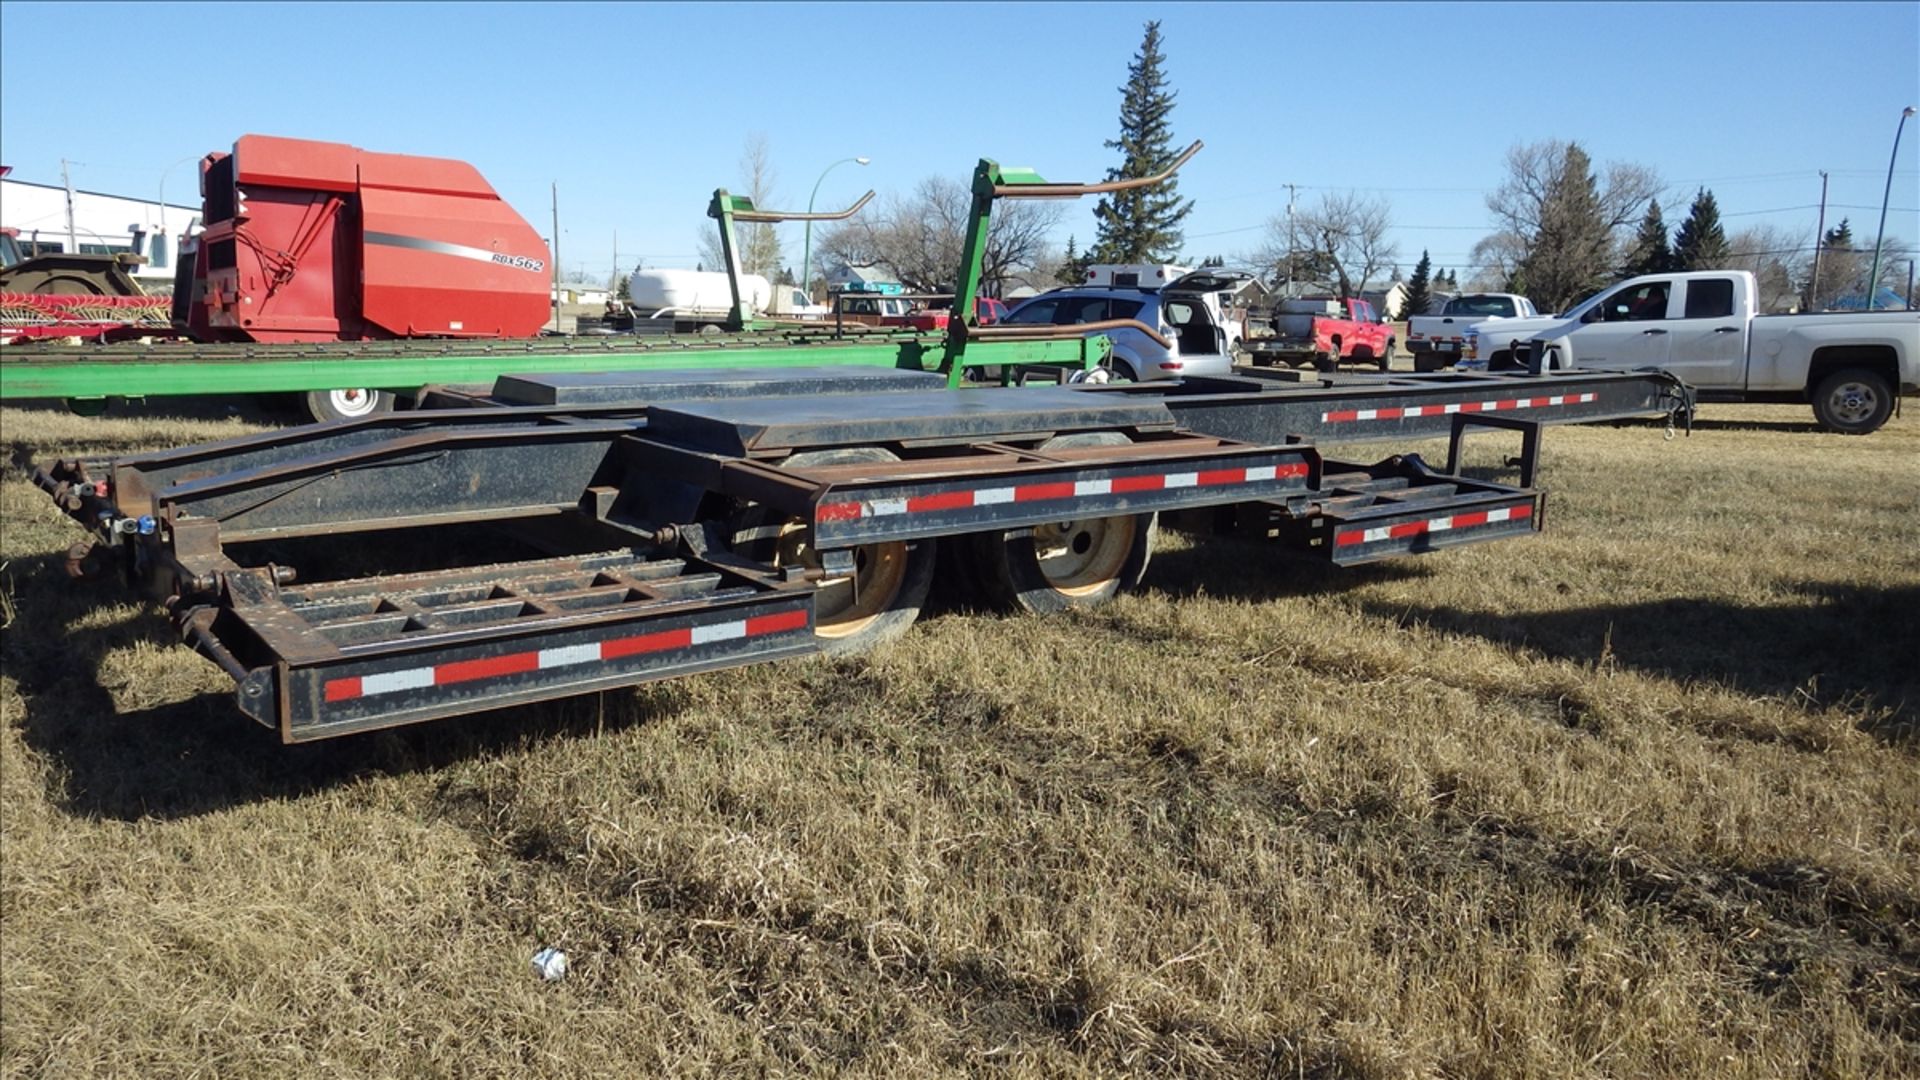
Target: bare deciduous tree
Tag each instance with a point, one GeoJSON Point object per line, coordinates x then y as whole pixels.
{"type": "Point", "coordinates": [1776, 258]}
{"type": "Point", "coordinates": [918, 239]}
{"type": "Point", "coordinates": [759, 243]}
{"type": "Point", "coordinates": [1498, 258]}
{"type": "Point", "coordinates": [1343, 236]}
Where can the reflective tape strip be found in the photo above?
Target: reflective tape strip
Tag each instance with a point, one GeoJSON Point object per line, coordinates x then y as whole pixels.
{"type": "Point", "coordinates": [593, 652]}
{"type": "Point", "coordinates": [1342, 416]}
{"type": "Point", "coordinates": [1432, 525]}
{"type": "Point", "coordinates": [1053, 491]}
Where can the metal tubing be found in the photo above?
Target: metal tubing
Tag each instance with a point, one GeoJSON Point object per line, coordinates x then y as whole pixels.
{"type": "Point", "coordinates": [1067, 191]}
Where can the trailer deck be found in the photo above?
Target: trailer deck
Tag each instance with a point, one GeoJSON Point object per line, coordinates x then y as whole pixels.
{"type": "Point", "coordinates": [699, 522]}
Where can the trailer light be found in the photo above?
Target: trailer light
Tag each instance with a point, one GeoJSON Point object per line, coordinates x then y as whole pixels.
{"type": "Point", "coordinates": [100, 488]}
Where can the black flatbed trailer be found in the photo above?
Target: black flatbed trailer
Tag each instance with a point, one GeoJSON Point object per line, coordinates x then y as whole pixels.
{"type": "Point", "coordinates": [695, 521]}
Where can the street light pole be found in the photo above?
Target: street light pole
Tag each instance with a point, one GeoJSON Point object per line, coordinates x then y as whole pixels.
{"type": "Point", "coordinates": [1873, 275]}
{"type": "Point", "coordinates": [164, 234]}
{"type": "Point", "coordinates": [806, 252]}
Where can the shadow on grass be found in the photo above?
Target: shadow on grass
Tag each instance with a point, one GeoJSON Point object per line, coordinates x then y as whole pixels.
{"type": "Point", "coordinates": [253, 408]}
{"type": "Point", "coordinates": [201, 755]}
{"type": "Point", "coordinates": [1251, 569]}
{"type": "Point", "coordinates": [1843, 646]}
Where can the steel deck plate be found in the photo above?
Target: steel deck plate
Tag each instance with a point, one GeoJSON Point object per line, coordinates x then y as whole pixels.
{"type": "Point", "coordinates": [772, 423]}
{"type": "Point", "coordinates": [647, 387]}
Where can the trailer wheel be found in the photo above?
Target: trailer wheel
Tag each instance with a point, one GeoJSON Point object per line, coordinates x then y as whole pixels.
{"type": "Point", "coordinates": [882, 599]}
{"type": "Point", "coordinates": [1853, 401]}
{"type": "Point", "coordinates": [1065, 564]}
{"type": "Point", "coordinates": [348, 403]}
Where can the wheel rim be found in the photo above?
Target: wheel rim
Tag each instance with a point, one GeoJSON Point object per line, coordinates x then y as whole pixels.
{"type": "Point", "coordinates": [1080, 557]}
{"type": "Point", "coordinates": [844, 606]}
{"type": "Point", "coordinates": [1853, 402]}
{"type": "Point", "coordinates": [355, 401]}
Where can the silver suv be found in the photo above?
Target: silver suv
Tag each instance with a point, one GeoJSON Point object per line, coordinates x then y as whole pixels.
{"type": "Point", "coordinates": [1185, 311]}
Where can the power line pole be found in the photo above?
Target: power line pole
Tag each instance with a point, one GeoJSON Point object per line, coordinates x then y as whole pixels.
{"type": "Point", "coordinates": [1819, 241]}
{"type": "Point", "coordinates": [73, 242]}
{"type": "Point", "coordinates": [1290, 240]}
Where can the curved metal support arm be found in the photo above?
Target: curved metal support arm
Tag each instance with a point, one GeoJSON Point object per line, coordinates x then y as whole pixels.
{"type": "Point", "coordinates": [1049, 332]}
{"type": "Point", "coordinates": [782, 215]}
{"type": "Point", "coordinates": [1067, 191]}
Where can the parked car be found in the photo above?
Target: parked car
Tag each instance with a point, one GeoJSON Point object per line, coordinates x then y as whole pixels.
{"type": "Point", "coordinates": [934, 316]}
{"type": "Point", "coordinates": [1325, 331]}
{"type": "Point", "coordinates": [1702, 327]}
{"type": "Point", "coordinates": [872, 308]}
{"type": "Point", "coordinates": [1436, 340]}
{"type": "Point", "coordinates": [1184, 312]}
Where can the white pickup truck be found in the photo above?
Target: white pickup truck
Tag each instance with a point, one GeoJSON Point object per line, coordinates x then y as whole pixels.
{"type": "Point", "coordinates": [1436, 340]}
{"type": "Point", "coordinates": [1701, 326]}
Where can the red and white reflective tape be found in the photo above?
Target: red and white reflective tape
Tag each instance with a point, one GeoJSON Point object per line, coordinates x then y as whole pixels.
{"type": "Point", "coordinates": [592, 652]}
{"type": "Point", "coordinates": [1502, 405]}
{"type": "Point", "coordinates": [1062, 489]}
{"type": "Point", "coordinates": [1432, 525]}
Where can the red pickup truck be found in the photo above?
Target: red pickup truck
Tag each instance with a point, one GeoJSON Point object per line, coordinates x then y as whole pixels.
{"type": "Point", "coordinates": [934, 317]}
{"type": "Point", "coordinates": [1325, 331]}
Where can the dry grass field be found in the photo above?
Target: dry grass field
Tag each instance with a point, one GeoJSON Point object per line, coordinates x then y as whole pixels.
{"type": "Point", "coordinates": [1636, 797]}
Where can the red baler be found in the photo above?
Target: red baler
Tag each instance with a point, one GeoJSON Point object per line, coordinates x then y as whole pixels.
{"type": "Point", "coordinates": [315, 241]}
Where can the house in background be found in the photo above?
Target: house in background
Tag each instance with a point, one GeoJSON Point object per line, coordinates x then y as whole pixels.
{"type": "Point", "coordinates": [1390, 302]}
{"type": "Point", "coordinates": [842, 276]}
{"type": "Point", "coordinates": [102, 225]}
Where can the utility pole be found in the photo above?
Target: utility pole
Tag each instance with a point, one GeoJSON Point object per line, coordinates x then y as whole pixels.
{"type": "Point", "coordinates": [1290, 241]}
{"type": "Point", "coordinates": [73, 242]}
{"type": "Point", "coordinates": [1819, 241]}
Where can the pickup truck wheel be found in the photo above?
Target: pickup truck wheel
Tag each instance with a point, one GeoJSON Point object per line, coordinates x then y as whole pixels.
{"type": "Point", "coordinates": [1386, 358]}
{"type": "Point", "coordinates": [1063, 564]}
{"type": "Point", "coordinates": [349, 403]}
{"type": "Point", "coordinates": [1852, 401]}
{"type": "Point", "coordinates": [877, 603]}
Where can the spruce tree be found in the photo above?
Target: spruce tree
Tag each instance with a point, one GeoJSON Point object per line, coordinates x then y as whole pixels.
{"type": "Point", "coordinates": [1649, 253]}
{"type": "Point", "coordinates": [1073, 265]}
{"type": "Point", "coordinates": [1840, 237]}
{"type": "Point", "coordinates": [1453, 281]}
{"type": "Point", "coordinates": [1142, 225]}
{"type": "Point", "coordinates": [1701, 244]}
{"type": "Point", "coordinates": [1419, 290]}
{"type": "Point", "coordinates": [1570, 255]}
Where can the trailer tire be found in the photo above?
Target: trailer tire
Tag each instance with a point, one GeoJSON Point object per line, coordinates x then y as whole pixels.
{"type": "Point", "coordinates": [1853, 401]}
{"type": "Point", "coordinates": [896, 576]}
{"type": "Point", "coordinates": [348, 403]}
{"type": "Point", "coordinates": [1084, 563]}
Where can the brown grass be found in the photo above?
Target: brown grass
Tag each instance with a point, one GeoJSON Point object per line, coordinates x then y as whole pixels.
{"type": "Point", "coordinates": [1635, 797]}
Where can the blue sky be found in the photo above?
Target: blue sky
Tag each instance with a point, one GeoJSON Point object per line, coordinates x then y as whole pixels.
{"type": "Point", "coordinates": [640, 111]}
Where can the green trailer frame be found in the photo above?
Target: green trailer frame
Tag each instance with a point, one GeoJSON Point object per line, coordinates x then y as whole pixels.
{"type": "Point", "coordinates": [88, 379]}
